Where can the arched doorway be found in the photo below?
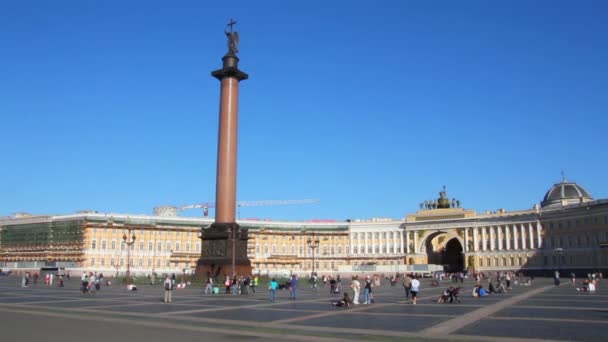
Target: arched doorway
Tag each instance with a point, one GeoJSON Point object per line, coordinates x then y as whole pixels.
{"type": "Point", "coordinates": [442, 249]}
{"type": "Point", "coordinates": [452, 257]}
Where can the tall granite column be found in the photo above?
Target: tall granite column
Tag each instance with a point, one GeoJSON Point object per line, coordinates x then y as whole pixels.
{"type": "Point", "coordinates": [224, 247]}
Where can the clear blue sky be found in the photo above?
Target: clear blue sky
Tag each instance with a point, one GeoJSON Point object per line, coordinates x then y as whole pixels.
{"type": "Point", "coordinates": [370, 106]}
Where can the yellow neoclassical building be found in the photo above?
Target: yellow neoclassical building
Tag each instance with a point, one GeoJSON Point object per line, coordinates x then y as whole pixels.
{"type": "Point", "coordinates": [566, 231]}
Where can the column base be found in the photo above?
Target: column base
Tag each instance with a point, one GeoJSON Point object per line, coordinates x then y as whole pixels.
{"type": "Point", "coordinates": [217, 251]}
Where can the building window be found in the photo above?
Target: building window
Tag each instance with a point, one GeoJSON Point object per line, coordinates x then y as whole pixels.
{"type": "Point", "coordinates": [178, 246]}
{"type": "Point", "coordinates": [149, 262]}
{"type": "Point", "coordinates": [112, 262]}
{"type": "Point", "coordinates": [94, 244]}
{"type": "Point", "coordinates": [140, 263]}
{"type": "Point", "coordinates": [331, 250]}
{"type": "Point", "coordinates": [92, 261]}
{"type": "Point", "coordinates": [168, 246]}
{"type": "Point", "coordinates": [167, 263]}
{"type": "Point", "coordinates": [377, 249]}
{"type": "Point", "coordinates": [376, 236]}
{"type": "Point", "coordinates": [113, 245]}
{"type": "Point", "coordinates": [122, 245]}
{"type": "Point", "coordinates": [384, 249]}
{"type": "Point", "coordinates": [159, 246]}
{"type": "Point", "coordinates": [102, 262]}
{"type": "Point", "coordinates": [347, 251]}
{"type": "Point", "coordinates": [103, 244]}
{"type": "Point", "coordinates": [293, 249]}
{"type": "Point", "coordinates": [141, 245]}
{"type": "Point", "coordinates": [355, 250]}
{"type": "Point", "coordinates": [369, 249]}
{"type": "Point", "coordinates": [265, 249]}
{"type": "Point", "coordinates": [283, 249]}
{"type": "Point", "coordinates": [187, 246]}
{"type": "Point", "coordinates": [274, 249]}
{"type": "Point", "coordinates": [150, 246]}
{"type": "Point", "coordinates": [301, 250]}
{"type": "Point", "coordinates": [481, 262]}
{"type": "Point", "coordinates": [324, 250]}
{"type": "Point", "coordinates": [198, 246]}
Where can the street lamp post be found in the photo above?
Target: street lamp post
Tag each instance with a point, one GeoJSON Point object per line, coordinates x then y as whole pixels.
{"type": "Point", "coordinates": [313, 243]}
{"type": "Point", "coordinates": [559, 252]}
{"type": "Point", "coordinates": [234, 235]}
{"type": "Point", "coordinates": [129, 240]}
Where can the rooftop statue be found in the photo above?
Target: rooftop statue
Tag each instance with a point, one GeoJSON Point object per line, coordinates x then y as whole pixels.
{"type": "Point", "coordinates": [233, 38]}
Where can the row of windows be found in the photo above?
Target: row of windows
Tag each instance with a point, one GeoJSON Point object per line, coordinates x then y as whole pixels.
{"type": "Point", "coordinates": [332, 250]}
{"type": "Point", "coordinates": [376, 235]}
{"type": "Point", "coordinates": [580, 240]}
{"type": "Point", "coordinates": [159, 246]}
{"type": "Point", "coordinates": [577, 222]}
{"type": "Point", "coordinates": [308, 265]}
{"type": "Point", "coordinates": [504, 261]}
{"type": "Point", "coordinates": [142, 232]}
{"type": "Point", "coordinates": [140, 263]}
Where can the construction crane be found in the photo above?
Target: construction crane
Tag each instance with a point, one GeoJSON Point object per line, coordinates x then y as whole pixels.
{"type": "Point", "coordinates": [206, 206]}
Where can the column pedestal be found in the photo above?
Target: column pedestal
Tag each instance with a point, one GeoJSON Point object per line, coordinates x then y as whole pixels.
{"type": "Point", "coordinates": [217, 247]}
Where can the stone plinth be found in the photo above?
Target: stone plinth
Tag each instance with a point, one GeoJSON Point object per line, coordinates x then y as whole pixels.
{"type": "Point", "coordinates": [217, 247]}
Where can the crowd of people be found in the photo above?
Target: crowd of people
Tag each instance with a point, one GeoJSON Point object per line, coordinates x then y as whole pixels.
{"type": "Point", "coordinates": [361, 287]}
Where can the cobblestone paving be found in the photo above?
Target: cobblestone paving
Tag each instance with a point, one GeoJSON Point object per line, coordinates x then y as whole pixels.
{"type": "Point", "coordinates": [538, 312]}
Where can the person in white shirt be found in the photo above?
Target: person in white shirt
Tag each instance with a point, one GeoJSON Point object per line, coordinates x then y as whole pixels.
{"type": "Point", "coordinates": [356, 286]}
{"type": "Point", "coordinates": [415, 287]}
{"type": "Point", "coordinates": [168, 289]}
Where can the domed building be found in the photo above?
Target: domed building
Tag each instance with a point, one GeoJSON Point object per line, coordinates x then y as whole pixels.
{"type": "Point", "coordinates": [564, 193]}
{"type": "Point", "coordinates": [566, 232]}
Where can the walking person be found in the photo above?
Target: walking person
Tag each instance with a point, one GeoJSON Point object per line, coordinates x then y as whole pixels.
{"type": "Point", "coordinates": [168, 289]}
{"type": "Point", "coordinates": [209, 286]}
{"type": "Point", "coordinates": [367, 290]}
{"type": "Point", "coordinates": [407, 283]}
{"type": "Point", "coordinates": [356, 286]}
{"type": "Point", "coordinates": [254, 283]}
{"type": "Point", "coordinates": [415, 288]}
{"type": "Point", "coordinates": [293, 287]}
{"type": "Point", "coordinates": [272, 287]}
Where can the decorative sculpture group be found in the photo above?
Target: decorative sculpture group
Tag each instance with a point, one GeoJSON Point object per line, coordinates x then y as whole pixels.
{"type": "Point", "coordinates": [441, 203]}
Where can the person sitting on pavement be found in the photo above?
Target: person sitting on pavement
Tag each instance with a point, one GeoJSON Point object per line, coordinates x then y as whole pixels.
{"type": "Point", "coordinates": [344, 302]}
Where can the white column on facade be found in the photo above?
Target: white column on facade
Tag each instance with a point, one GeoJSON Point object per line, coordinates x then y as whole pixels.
{"type": "Point", "coordinates": [466, 239]}
{"type": "Point", "coordinates": [365, 242]}
{"type": "Point", "coordinates": [386, 241]}
{"type": "Point", "coordinates": [374, 242]}
{"type": "Point", "coordinates": [415, 242]}
{"type": "Point", "coordinates": [515, 237]}
{"type": "Point", "coordinates": [522, 232]}
{"type": "Point", "coordinates": [407, 242]}
{"type": "Point", "coordinates": [475, 242]}
{"type": "Point", "coordinates": [350, 240]}
{"type": "Point", "coordinates": [401, 242]}
{"type": "Point", "coordinates": [499, 237]}
{"type": "Point", "coordinates": [507, 237]}
{"type": "Point", "coordinates": [492, 238]}
{"type": "Point", "coordinates": [538, 234]}
{"type": "Point", "coordinates": [530, 235]}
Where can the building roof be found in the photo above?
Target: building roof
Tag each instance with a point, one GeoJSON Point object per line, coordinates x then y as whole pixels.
{"type": "Point", "coordinates": [564, 193]}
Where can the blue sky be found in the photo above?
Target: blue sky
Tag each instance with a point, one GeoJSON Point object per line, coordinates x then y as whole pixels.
{"type": "Point", "coordinates": [370, 107]}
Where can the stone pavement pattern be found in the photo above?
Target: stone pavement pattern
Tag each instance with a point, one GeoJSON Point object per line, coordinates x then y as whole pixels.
{"type": "Point", "coordinates": [538, 312]}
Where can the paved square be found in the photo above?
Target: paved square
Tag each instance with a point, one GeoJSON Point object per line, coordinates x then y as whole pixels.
{"type": "Point", "coordinates": [538, 312]}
